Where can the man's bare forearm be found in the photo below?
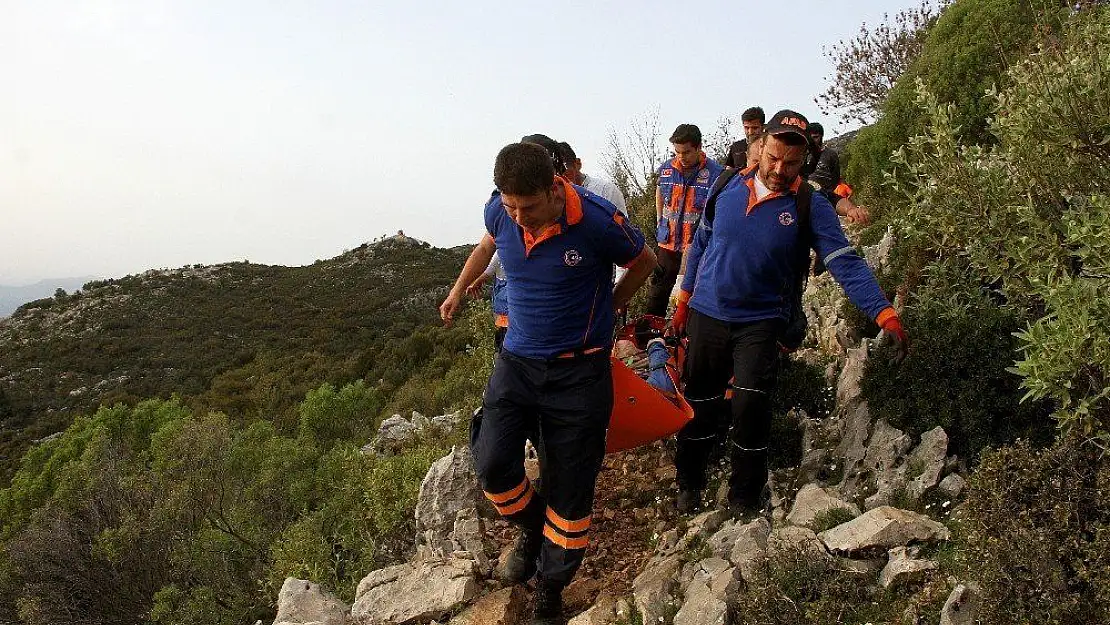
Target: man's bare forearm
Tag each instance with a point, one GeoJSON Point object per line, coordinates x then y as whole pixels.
{"type": "Point", "coordinates": [476, 264]}
{"type": "Point", "coordinates": [634, 278]}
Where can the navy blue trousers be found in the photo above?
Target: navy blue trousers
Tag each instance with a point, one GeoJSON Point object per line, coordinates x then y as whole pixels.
{"type": "Point", "coordinates": [568, 401]}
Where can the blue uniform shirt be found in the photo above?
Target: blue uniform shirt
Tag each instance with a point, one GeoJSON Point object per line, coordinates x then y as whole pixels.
{"type": "Point", "coordinates": [741, 266]}
{"type": "Point", "coordinates": [560, 289]}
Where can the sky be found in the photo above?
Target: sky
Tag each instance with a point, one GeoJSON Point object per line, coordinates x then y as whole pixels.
{"type": "Point", "coordinates": [162, 133]}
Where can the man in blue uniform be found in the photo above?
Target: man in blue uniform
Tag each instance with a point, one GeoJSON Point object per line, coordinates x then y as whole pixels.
{"type": "Point", "coordinates": [735, 300]}
{"type": "Point", "coordinates": [558, 244]}
{"type": "Point", "coordinates": [683, 187]}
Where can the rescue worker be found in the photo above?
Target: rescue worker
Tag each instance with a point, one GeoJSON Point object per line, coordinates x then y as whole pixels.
{"type": "Point", "coordinates": [684, 184]}
{"type": "Point", "coordinates": [754, 149]}
{"type": "Point", "coordinates": [735, 302]}
{"type": "Point", "coordinates": [600, 186]}
{"type": "Point", "coordinates": [822, 172]}
{"type": "Point", "coordinates": [752, 120]}
{"type": "Point", "coordinates": [557, 244]}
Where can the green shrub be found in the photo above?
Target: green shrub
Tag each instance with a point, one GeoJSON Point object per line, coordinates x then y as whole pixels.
{"type": "Point", "coordinates": [365, 522]}
{"type": "Point", "coordinates": [328, 415]}
{"type": "Point", "coordinates": [197, 518]}
{"type": "Point", "coordinates": [1036, 533]}
{"type": "Point", "coordinates": [965, 53]}
{"type": "Point", "coordinates": [1041, 245]}
{"type": "Point", "coordinates": [828, 519]}
{"type": "Point", "coordinates": [796, 588]}
{"type": "Point", "coordinates": [956, 376]}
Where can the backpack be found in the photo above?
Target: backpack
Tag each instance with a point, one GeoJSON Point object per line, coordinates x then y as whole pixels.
{"type": "Point", "coordinates": [794, 332]}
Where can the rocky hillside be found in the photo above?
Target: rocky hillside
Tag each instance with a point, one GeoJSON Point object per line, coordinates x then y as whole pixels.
{"type": "Point", "coordinates": [243, 338]}
{"type": "Point", "coordinates": [858, 530]}
{"type": "Point", "coordinates": [12, 297]}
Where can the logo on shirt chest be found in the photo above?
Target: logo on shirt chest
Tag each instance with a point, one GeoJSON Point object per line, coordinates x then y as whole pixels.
{"type": "Point", "coordinates": [785, 218]}
{"type": "Point", "coordinates": [703, 176]}
{"type": "Point", "coordinates": [572, 258]}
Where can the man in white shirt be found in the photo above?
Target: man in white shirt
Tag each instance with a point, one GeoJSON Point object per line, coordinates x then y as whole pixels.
{"type": "Point", "coordinates": [598, 186]}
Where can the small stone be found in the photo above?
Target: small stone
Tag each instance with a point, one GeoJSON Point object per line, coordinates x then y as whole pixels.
{"type": "Point", "coordinates": [952, 486]}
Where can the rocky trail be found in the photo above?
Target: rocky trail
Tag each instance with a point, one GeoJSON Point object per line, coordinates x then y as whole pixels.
{"type": "Point", "coordinates": [867, 503]}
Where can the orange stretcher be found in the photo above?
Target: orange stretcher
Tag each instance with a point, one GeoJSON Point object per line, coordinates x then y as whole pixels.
{"type": "Point", "coordinates": [643, 413]}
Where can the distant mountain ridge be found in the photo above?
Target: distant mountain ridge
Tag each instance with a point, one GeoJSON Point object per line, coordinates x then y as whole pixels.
{"type": "Point", "coordinates": [241, 338]}
{"type": "Point", "coordinates": [12, 297]}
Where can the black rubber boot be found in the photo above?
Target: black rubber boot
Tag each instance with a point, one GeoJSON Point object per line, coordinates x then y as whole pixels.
{"type": "Point", "coordinates": [520, 565]}
{"type": "Point", "coordinates": [747, 486]}
{"type": "Point", "coordinates": [688, 500]}
{"type": "Point", "coordinates": [547, 605]}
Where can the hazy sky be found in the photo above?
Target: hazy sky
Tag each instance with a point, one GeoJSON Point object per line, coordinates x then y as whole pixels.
{"type": "Point", "coordinates": [160, 133]}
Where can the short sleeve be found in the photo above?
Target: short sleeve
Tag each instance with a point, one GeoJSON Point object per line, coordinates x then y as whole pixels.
{"type": "Point", "coordinates": [494, 214]}
{"type": "Point", "coordinates": [620, 240]}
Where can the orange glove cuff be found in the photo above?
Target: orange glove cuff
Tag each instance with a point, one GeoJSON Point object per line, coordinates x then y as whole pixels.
{"type": "Point", "coordinates": [888, 320]}
{"type": "Point", "coordinates": [683, 297]}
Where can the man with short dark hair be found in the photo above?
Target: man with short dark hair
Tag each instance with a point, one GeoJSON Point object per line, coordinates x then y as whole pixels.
{"type": "Point", "coordinates": [683, 187]}
{"type": "Point", "coordinates": [822, 172]}
{"type": "Point", "coordinates": [743, 264]}
{"type": "Point", "coordinates": [600, 186]}
{"type": "Point", "coordinates": [752, 120]}
{"type": "Point", "coordinates": [557, 246]}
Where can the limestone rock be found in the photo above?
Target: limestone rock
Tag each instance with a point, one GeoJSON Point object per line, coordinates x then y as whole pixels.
{"type": "Point", "coordinates": [886, 447]}
{"type": "Point", "coordinates": [902, 568]}
{"type": "Point", "coordinates": [878, 255]}
{"type": "Point", "coordinates": [449, 487]}
{"type": "Point", "coordinates": [750, 546]}
{"type": "Point", "coordinates": [726, 584]}
{"type": "Point", "coordinates": [926, 462]}
{"type": "Point", "coordinates": [795, 538]}
{"type": "Point", "coordinates": [413, 593]}
{"type": "Point", "coordinates": [855, 429]}
{"type": "Point", "coordinates": [706, 523]}
{"type": "Point", "coordinates": [700, 606]}
{"type": "Point", "coordinates": [301, 601]}
{"type": "Point", "coordinates": [881, 529]}
{"type": "Point", "coordinates": [962, 606]}
{"type": "Point", "coordinates": [848, 390]}
{"type": "Point", "coordinates": [447, 422]}
{"type": "Point", "coordinates": [952, 486]}
{"type": "Point", "coordinates": [393, 434]}
{"type": "Point", "coordinates": [713, 566]}
{"type": "Point", "coordinates": [469, 536]}
{"type": "Point", "coordinates": [508, 606]}
{"type": "Point", "coordinates": [419, 421]}
{"type": "Point", "coordinates": [654, 589]}
{"type": "Point", "coordinates": [812, 501]}
{"type": "Point", "coordinates": [605, 611]}
{"type": "Point", "coordinates": [722, 541]}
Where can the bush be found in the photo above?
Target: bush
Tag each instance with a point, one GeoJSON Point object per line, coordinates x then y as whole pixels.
{"type": "Point", "coordinates": [1036, 533]}
{"type": "Point", "coordinates": [364, 523]}
{"type": "Point", "coordinates": [329, 415]}
{"type": "Point", "coordinates": [196, 518]}
{"type": "Point", "coordinates": [956, 376]}
{"type": "Point", "coordinates": [795, 587]}
{"type": "Point", "coordinates": [965, 53]}
{"type": "Point", "coordinates": [1042, 248]}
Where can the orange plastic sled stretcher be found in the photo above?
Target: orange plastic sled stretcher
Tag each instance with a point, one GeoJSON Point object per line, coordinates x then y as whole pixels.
{"type": "Point", "coordinates": [643, 413]}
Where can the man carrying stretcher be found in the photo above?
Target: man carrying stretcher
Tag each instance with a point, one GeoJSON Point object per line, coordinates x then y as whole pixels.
{"type": "Point", "coordinates": [558, 244]}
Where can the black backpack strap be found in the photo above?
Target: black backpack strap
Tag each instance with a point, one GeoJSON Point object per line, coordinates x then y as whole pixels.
{"type": "Point", "coordinates": [804, 203]}
{"type": "Point", "coordinates": [804, 200]}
